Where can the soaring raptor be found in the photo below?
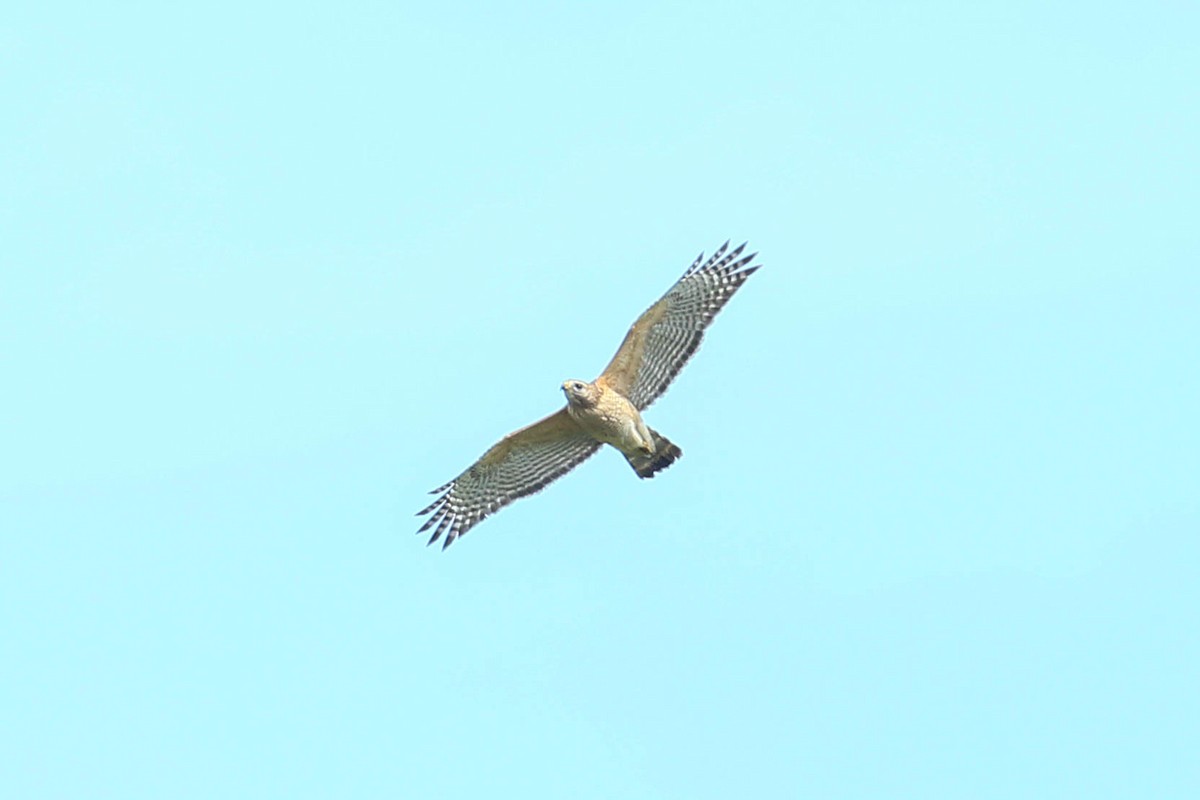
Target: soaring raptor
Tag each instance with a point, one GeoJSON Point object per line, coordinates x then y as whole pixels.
{"type": "Point", "coordinates": [604, 411]}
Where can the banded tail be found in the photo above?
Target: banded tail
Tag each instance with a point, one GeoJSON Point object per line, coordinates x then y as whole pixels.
{"type": "Point", "coordinates": [664, 455]}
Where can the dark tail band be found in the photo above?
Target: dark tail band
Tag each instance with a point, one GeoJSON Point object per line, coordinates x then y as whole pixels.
{"type": "Point", "coordinates": [665, 454]}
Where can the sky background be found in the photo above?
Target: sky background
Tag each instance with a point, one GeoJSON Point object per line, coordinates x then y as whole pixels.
{"type": "Point", "coordinates": [270, 272]}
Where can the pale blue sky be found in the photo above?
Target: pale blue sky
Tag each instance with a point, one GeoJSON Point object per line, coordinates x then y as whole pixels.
{"type": "Point", "coordinates": [271, 272]}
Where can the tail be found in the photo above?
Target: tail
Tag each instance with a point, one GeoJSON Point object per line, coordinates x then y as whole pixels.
{"type": "Point", "coordinates": [664, 455]}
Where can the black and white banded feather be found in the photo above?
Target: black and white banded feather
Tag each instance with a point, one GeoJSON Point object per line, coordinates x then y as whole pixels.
{"type": "Point", "coordinates": [663, 339]}
{"type": "Point", "coordinates": [520, 464]}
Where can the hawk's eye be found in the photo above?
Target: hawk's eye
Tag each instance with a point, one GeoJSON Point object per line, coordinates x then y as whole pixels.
{"type": "Point", "coordinates": [577, 387]}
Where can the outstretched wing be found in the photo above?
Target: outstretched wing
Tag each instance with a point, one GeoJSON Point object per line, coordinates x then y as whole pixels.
{"type": "Point", "coordinates": [665, 337]}
{"type": "Point", "coordinates": [520, 464]}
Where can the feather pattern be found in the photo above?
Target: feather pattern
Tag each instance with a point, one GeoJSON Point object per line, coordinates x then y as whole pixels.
{"type": "Point", "coordinates": [665, 337]}
{"type": "Point", "coordinates": [520, 464]}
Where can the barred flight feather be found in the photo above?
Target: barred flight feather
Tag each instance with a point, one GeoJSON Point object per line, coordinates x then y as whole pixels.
{"type": "Point", "coordinates": [668, 334]}
{"type": "Point", "coordinates": [520, 465]}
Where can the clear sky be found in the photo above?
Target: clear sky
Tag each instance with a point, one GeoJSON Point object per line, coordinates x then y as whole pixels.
{"type": "Point", "coordinates": [270, 272]}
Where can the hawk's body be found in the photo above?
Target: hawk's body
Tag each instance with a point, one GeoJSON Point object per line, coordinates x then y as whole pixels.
{"type": "Point", "coordinates": [607, 416]}
{"type": "Point", "coordinates": [604, 411]}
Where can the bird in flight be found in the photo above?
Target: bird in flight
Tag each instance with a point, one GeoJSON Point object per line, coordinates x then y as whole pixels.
{"type": "Point", "coordinates": [604, 411]}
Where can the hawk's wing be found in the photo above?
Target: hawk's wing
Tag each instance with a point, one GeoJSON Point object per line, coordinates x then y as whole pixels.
{"type": "Point", "coordinates": [664, 338]}
{"type": "Point", "coordinates": [520, 464]}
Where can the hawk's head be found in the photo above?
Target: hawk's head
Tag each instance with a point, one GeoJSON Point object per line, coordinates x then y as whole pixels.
{"type": "Point", "coordinates": [580, 393]}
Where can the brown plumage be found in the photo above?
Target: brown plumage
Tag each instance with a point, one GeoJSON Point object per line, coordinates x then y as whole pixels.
{"type": "Point", "coordinates": [603, 411]}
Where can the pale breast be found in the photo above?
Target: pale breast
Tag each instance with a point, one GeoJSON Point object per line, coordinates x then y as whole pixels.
{"type": "Point", "coordinates": [613, 420]}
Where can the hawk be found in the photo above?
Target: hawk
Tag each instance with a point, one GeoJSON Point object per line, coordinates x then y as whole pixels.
{"type": "Point", "coordinates": [604, 411]}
